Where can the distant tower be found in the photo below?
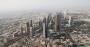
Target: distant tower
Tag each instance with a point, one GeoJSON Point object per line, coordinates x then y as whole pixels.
{"type": "Point", "coordinates": [49, 18]}
{"type": "Point", "coordinates": [21, 29]}
{"type": "Point", "coordinates": [28, 28]}
{"type": "Point", "coordinates": [55, 26]}
{"type": "Point", "coordinates": [30, 23]}
{"type": "Point", "coordinates": [44, 28]}
{"type": "Point", "coordinates": [31, 28]}
{"type": "Point", "coordinates": [69, 21]}
{"type": "Point", "coordinates": [58, 21]}
{"type": "Point", "coordinates": [65, 13]}
{"type": "Point", "coordinates": [44, 33]}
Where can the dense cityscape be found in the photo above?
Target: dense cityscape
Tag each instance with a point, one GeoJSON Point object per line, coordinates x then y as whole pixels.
{"type": "Point", "coordinates": [47, 29]}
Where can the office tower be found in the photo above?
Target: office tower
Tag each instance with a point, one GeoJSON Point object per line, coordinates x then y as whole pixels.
{"type": "Point", "coordinates": [21, 29]}
{"type": "Point", "coordinates": [58, 20]}
{"type": "Point", "coordinates": [69, 21]}
{"type": "Point", "coordinates": [44, 31]}
{"type": "Point", "coordinates": [28, 28]}
{"type": "Point", "coordinates": [44, 24]}
{"type": "Point", "coordinates": [55, 26]}
{"type": "Point", "coordinates": [49, 18]}
{"type": "Point", "coordinates": [65, 13]}
{"type": "Point", "coordinates": [31, 29]}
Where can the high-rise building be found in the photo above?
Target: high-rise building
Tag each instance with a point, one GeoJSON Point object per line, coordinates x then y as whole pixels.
{"type": "Point", "coordinates": [31, 29]}
{"type": "Point", "coordinates": [59, 21]}
{"type": "Point", "coordinates": [69, 21]}
{"type": "Point", "coordinates": [45, 32]}
{"type": "Point", "coordinates": [28, 28]}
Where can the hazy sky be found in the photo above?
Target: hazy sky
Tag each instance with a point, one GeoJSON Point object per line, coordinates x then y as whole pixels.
{"type": "Point", "coordinates": [8, 5]}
